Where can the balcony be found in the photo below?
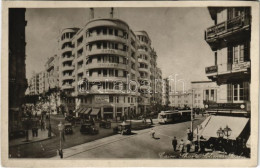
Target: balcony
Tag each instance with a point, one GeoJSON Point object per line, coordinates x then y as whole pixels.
{"type": "Point", "coordinates": [107, 51]}
{"type": "Point", "coordinates": [144, 70]}
{"type": "Point", "coordinates": [67, 86]}
{"type": "Point", "coordinates": [224, 72]}
{"type": "Point", "coordinates": [66, 49]}
{"type": "Point", "coordinates": [143, 60]}
{"type": "Point", "coordinates": [239, 24]}
{"type": "Point", "coordinates": [80, 70]}
{"type": "Point", "coordinates": [67, 68]}
{"type": "Point", "coordinates": [106, 65]}
{"type": "Point", "coordinates": [67, 77]}
{"type": "Point", "coordinates": [64, 59]}
{"type": "Point", "coordinates": [106, 38]}
{"type": "Point", "coordinates": [107, 79]}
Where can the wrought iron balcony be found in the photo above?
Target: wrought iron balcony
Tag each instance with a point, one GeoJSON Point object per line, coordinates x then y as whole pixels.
{"type": "Point", "coordinates": [227, 27]}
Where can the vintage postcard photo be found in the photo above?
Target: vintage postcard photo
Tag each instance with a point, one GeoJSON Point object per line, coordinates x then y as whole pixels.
{"type": "Point", "coordinates": [161, 84]}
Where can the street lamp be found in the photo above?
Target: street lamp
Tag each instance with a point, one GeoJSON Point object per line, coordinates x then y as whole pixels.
{"type": "Point", "coordinates": [227, 131]}
{"type": "Point", "coordinates": [220, 132]}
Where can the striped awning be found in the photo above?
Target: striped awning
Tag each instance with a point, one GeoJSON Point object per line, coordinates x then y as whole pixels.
{"type": "Point", "coordinates": [86, 110]}
{"type": "Point", "coordinates": [95, 112]}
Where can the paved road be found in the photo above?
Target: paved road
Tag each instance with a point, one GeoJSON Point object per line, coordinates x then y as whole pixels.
{"type": "Point", "coordinates": [139, 145]}
{"type": "Point", "coordinates": [48, 148]}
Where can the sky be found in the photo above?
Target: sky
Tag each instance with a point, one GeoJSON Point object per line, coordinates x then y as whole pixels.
{"type": "Point", "coordinates": [177, 35]}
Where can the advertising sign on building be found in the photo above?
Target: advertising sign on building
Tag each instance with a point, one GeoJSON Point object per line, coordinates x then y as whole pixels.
{"type": "Point", "coordinates": [240, 66]}
{"type": "Point", "coordinates": [101, 98]}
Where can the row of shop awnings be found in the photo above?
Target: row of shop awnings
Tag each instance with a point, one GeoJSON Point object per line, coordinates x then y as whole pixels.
{"type": "Point", "coordinates": [87, 111]}
{"type": "Point", "coordinates": [209, 127]}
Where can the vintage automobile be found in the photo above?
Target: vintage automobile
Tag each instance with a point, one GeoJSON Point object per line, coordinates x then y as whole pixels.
{"type": "Point", "coordinates": [105, 124]}
{"type": "Point", "coordinates": [123, 128]}
{"type": "Point", "coordinates": [88, 129]}
{"type": "Point", "coordinates": [69, 118]}
{"type": "Point", "coordinates": [68, 128]}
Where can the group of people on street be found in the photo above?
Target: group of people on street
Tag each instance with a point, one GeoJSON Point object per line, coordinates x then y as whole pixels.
{"type": "Point", "coordinates": [182, 145]}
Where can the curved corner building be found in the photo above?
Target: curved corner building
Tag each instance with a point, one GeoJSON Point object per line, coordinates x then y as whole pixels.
{"type": "Point", "coordinates": [105, 60]}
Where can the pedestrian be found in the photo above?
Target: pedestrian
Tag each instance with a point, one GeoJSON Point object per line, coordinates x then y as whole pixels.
{"type": "Point", "coordinates": [202, 144]}
{"type": "Point", "coordinates": [188, 145]}
{"type": "Point", "coordinates": [181, 146]}
{"type": "Point", "coordinates": [188, 133]}
{"type": "Point", "coordinates": [196, 146]}
{"type": "Point", "coordinates": [174, 144]}
{"type": "Point", "coordinates": [152, 133]}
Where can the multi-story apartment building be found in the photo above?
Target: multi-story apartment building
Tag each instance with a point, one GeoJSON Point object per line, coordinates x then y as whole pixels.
{"type": "Point", "coordinates": [34, 84]}
{"type": "Point", "coordinates": [99, 68]}
{"type": "Point", "coordinates": [52, 73]}
{"type": "Point", "coordinates": [165, 92]}
{"type": "Point", "coordinates": [41, 82]}
{"type": "Point", "coordinates": [230, 39]}
{"type": "Point", "coordinates": [205, 92]}
{"type": "Point", "coordinates": [16, 73]}
{"type": "Point", "coordinates": [180, 99]}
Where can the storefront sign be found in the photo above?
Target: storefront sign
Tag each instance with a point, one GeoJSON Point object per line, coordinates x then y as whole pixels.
{"type": "Point", "coordinates": [211, 69]}
{"type": "Point", "coordinates": [101, 98]}
{"type": "Point", "coordinates": [239, 66]}
{"type": "Point", "coordinates": [225, 106]}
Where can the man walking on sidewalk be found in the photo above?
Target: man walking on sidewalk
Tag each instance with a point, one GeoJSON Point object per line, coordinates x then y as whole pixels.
{"type": "Point", "coordinates": [174, 144]}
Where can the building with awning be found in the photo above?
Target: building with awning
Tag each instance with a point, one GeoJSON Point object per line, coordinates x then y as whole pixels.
{"type": "Point", "coordinates": [86, 111]}
{"type": "Point", "coordinates": [209, 127]}
{"type": "Point", "coordinates": [95, 112]}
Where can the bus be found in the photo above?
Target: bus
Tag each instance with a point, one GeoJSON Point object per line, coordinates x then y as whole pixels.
{"type": "Point", "coordinates": [174, 116]}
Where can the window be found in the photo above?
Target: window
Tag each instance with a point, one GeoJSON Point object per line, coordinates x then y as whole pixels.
{"type": "Point", "coordinates": [128, 99]}
{"type": "Point", "coordinates": [98, 31]}
{"type": "Point", "coordinates": [104, 72]}
{"type": "Point", "coordinates": [110, 99]}
{"type": "Point", "coordinates": [105, 31]}
{"type": "Point", "coordinates": [117, 99]}
{"type": "Point", "coordinates": [99, 72]}
{"type": "Point", "coordinates": [104, 45]}
{"type": "Point", "coordinates": [116, 73]}
{"type": "Point", "coordinates": [110, 32]}
{"type": "Point", "coordinates": [98, 45]}
{"type": "Point", "coordinates": [99, 59]}
{"type": "Point", "coordinates": [212, 93]}
{"type": "Point", "coordinates": [116, 32]}
{"type": "Point", "coordinates": [111, 72]}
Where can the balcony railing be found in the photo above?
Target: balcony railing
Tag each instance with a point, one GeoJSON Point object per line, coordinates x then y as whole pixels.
{"type": "Point", "coordinates": [228, 68]}
{"type": "Point", "coordinates": [211, 69]}
{"type": "Point", "coordinates": [106, 65]}
{"type": "Point", "coordinates": [227, 26]}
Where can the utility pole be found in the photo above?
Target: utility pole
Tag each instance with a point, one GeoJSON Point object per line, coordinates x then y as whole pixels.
{"type": "Point", "coordinates": [191, 123]}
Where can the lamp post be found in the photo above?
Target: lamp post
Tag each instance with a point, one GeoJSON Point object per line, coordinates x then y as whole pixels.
{"type": "Point", "coordinates": [227, 131]}
{"type": "Point", "coordinates": [60, 128]}
{"type": "Point", "coordinates": [49, 109]}
{"type": "Point", "coordinates": [220, 134]}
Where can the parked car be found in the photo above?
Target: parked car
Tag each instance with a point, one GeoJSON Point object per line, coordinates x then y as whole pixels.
{"type": "Point", "coordinates": [105, 124]}
{"type": "Point", "coordinates": [68, 128]}
{"type": "Point", "coordinates": [123, 128]}
{"type": "Point", "coordinates": [69, 118]}
{"type": "Point", "coordinates": [88, 129]}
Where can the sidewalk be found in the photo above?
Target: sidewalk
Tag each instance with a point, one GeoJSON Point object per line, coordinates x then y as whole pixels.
{"type": "Point", "coordinates": [42, 135]}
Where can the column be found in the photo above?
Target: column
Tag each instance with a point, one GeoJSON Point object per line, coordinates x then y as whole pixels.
{"type": "Point", "coordinates": [102, 112]}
